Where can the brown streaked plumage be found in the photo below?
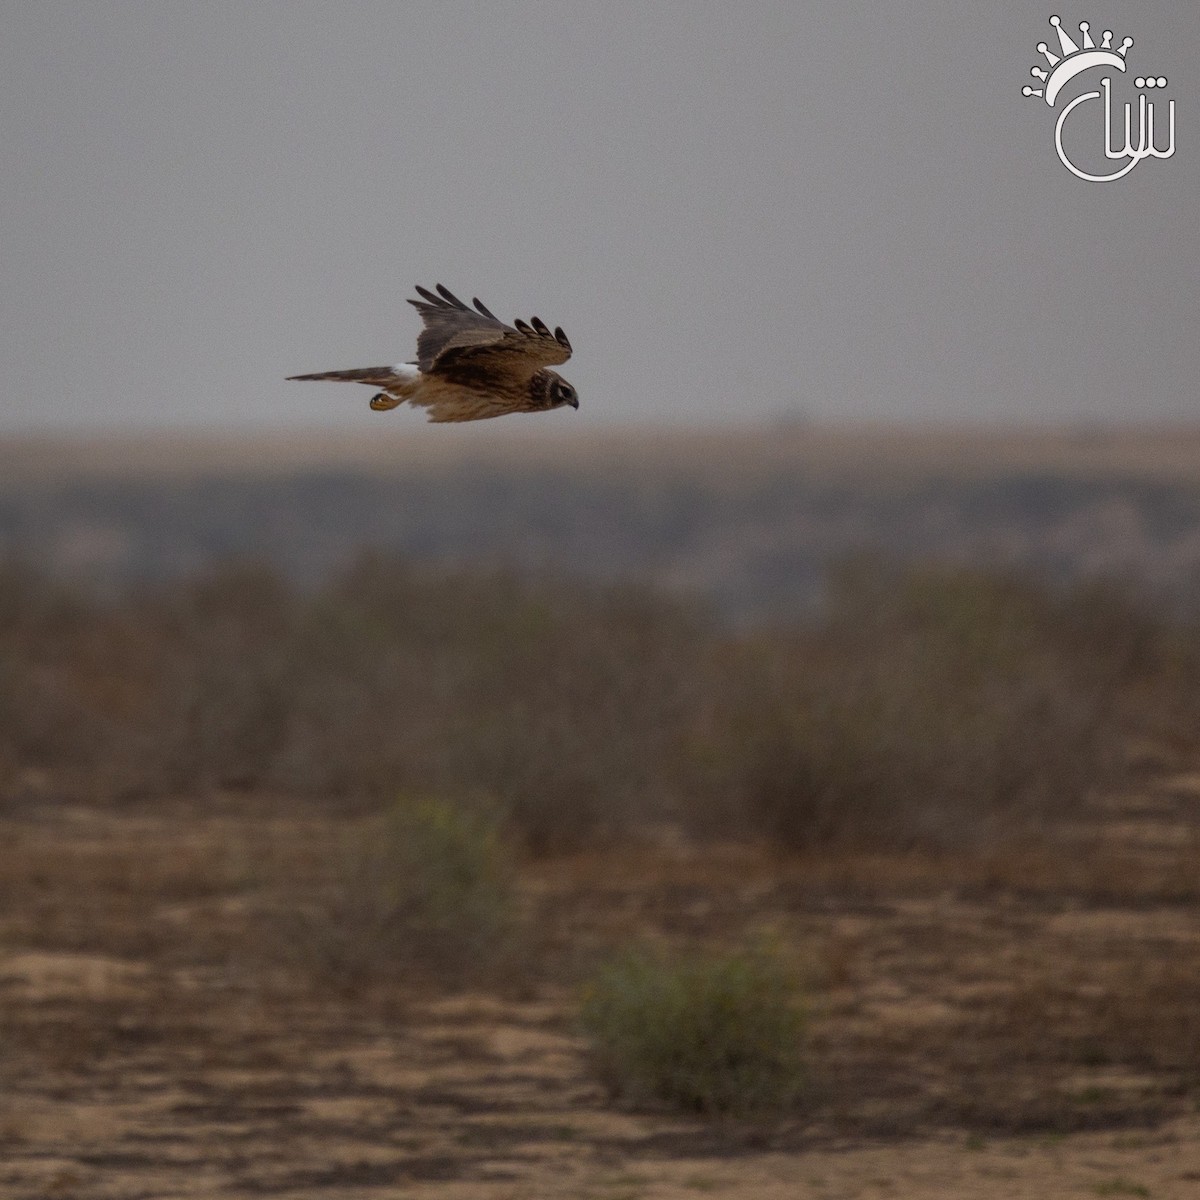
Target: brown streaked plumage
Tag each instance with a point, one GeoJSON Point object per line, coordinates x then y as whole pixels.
{"type": "Point", "coordinates": [470, 365]}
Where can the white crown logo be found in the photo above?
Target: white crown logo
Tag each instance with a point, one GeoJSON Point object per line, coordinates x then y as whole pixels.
{"type": "Point", "coordinates": [1137, 117]}
{"type": "Point", "coordinates": [1074, 59]}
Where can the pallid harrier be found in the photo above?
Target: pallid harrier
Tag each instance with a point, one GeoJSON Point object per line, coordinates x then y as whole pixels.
{"type": "Point", "coordinates": [471, 365]}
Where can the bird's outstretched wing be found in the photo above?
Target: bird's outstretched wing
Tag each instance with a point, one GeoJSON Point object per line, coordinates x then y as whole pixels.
{"type": "Point", "coordinates": [469, 345]}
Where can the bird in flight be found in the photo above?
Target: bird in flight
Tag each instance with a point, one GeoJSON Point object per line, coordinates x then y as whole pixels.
{"type": "Point", "coordinates": [470, 365]}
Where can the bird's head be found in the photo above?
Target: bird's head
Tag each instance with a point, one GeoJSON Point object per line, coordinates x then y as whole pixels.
{"type": "Point", "coordinates": [551, 390]}
{"type": "Point", "coordinates": [561, 392]}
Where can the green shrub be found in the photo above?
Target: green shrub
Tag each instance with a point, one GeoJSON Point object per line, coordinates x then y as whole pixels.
{"type": "Point", "coordinates": [423, 894]}
{"type": "Point", "coordinates": [704, 1032]}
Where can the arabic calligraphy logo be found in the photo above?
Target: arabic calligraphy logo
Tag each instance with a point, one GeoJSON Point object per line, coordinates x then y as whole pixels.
{"type": "Point", "coordinates": [1073, 61]}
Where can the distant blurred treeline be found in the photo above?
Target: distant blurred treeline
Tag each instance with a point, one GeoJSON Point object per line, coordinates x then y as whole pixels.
{"type": "Point", "coordinates": [752, 543]}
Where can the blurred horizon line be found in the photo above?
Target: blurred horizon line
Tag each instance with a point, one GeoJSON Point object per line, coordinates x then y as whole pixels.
{"type": "Point", "coordinates": [1151, 448]}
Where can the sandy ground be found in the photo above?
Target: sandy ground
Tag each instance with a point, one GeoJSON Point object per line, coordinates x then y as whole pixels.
{"type": "Point", "coordinates": [147, 1051]}
{"type": "Point", "coordinates": [477, 1099]}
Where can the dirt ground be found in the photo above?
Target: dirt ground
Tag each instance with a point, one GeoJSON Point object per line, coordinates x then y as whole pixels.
{"type": "Point", "coordinates": [1007, 1024]}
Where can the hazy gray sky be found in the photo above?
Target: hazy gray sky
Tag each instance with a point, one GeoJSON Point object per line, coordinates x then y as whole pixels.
{"type": "Point", "coordinates": [736, 210]}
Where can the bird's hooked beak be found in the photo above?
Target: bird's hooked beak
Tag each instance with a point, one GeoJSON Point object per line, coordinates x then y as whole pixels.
{"type": "Point", "coordinates": [574, 402]}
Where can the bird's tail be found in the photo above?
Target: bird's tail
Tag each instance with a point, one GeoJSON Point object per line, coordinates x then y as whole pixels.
{"type": "Point", "coordinates": [375, 376]}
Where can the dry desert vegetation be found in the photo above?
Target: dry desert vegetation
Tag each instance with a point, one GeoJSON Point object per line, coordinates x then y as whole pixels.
{"type": "Point", "coordinates": [350, 890]}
